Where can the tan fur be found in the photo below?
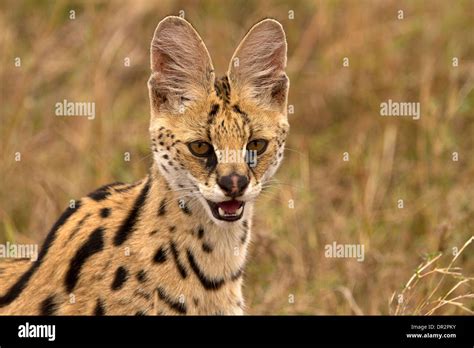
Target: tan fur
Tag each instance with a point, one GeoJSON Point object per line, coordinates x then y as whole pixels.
{"type": "Point", "coordinates": [169, 204]}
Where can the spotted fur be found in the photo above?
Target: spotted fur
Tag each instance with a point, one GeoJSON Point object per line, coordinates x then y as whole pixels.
{"type": "Point", "coordinates": [154, 247]}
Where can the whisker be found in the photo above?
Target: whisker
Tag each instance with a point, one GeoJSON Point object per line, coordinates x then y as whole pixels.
{"type": "Point", "coordinates": [294, 150]}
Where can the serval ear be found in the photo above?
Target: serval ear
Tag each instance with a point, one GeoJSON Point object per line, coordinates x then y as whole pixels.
{"type": "Point", "coordinates": [257, 68]}
{"type": "Point", "coordinates": [182, 71]}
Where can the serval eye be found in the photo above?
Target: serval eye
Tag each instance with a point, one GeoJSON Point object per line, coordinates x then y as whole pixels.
{"type": "Point", "coordinates": [200, 148]}
{"type": "Point", "coordinates": [258, 145]}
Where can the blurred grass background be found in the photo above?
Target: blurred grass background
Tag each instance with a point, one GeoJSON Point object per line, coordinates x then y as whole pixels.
{"type": "Point", "coordinates": [336, 111]}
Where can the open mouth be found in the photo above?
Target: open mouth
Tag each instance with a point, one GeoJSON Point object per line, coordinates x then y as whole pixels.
{"type": "Point", "coordinates": [228, 210]}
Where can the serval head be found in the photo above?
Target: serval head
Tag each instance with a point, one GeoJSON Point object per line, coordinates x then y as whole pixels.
{"type": "Point", "coordinates": [218, 141]}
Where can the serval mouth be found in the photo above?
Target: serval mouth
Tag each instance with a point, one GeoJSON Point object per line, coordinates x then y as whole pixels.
{"type": "Point", "coordinates": [228, 210]}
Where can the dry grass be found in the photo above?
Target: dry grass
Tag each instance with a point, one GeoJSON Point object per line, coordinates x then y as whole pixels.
{"type": "Point", "coordinates": [409, 301]}
{"type": "Point", "coordinates": [336, 110]}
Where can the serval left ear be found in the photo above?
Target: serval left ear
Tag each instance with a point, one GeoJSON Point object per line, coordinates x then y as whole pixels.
{"type": "Point", "coordinates": [257, 68]}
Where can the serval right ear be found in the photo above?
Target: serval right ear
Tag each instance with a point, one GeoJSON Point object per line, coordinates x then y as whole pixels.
{"type": "Point", "coordinates": [182, 71]}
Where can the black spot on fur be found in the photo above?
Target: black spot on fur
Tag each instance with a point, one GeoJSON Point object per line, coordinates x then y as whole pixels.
{"type": "Point", "coordinates": [184, 207]}
{"type": "Point", "coordinates": [243, 238]}
{"type": "Point", "coordinates": [181, 269]}
{"type": "Point", "coordinates": [103, 192]}
{"type": "Point", "coordinates": [176, 305]}
{"type": "Point", "coordinates": [93, 245]}
{"type": "Point", "coordinates": [172, 229]}
{"type": "Point", "coordinates": [104, 212]}
{"type": "Point", "coordinates": [207, 248]}
{"type": "Point", "coordinates": [214, 110]}
{"type": "Point", "coordinates": [200, 232]}
{"type": "Point", "coordinates": [245, 226]}
{"type": "Point", "coordinates": [207, 283]}
{"type": "Point", "coordinates": [15, 290]}
{"type": "Point", "coordinates": [222, 88]}
{"type": "Point", "coordinates": [128, 225]}
{"type": "Point", "coordinates": [99, 307]}
{"type": "Point", "coordinates": [121, 276]}
{"type": "Point", "coordinates": [160, 255]}
{"type": "Point", "coordinates": [48, 306]}
{"type": "Point", "coordinates": [162, 208]}
{"type": "Point", "coordinates": [128, 187]}
{"type": "Point", "coordinates": [244, 115]}
{"type": "Point", "coordinates": [237, 109]}
{"type": "Point", "coordinates": [237, 274]}
{"type": "Point", "coordinates": [142, 277]}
